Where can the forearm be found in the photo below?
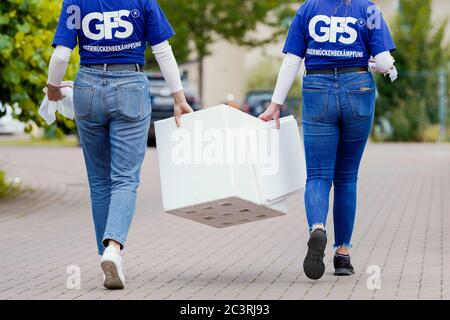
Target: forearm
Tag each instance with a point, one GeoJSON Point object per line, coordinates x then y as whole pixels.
{"type": "Point", "coordinates": [169, 67]}
{"type": "Point", "coordinates": [286, 77]}
{"type": "Point", "coordinates": [58, 65]}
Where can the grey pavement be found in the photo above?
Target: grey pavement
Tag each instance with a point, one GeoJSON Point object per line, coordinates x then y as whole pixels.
{"type": "Point", "coordinates": [402, 230]}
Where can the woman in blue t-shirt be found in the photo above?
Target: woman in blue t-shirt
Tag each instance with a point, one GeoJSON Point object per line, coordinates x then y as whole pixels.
{"type": "Point", "coordinates": [338, 39]}
{"type": "Point", "coordinates": [112, 105]}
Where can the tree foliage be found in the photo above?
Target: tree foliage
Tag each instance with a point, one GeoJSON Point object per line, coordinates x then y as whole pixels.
{"type": "Point", "coordinates": [411, 103]}
{"type": "Point", "coordinates": [27, 28]}
{"type": "Point", "coordinates": [26, 33]}
{"type": "Point", "coordinates": [199, 23]}
{"type": "Point", "coordinates": [265, 74]}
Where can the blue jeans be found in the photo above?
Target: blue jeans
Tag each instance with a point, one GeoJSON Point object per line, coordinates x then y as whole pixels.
{"type": "Point", "coordinates": [338, 112]}
{"type": "Point", "coordinates": [112, 111]}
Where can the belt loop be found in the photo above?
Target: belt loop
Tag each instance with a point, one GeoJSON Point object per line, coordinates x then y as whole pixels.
{"type": "Point", "coordinates": [105, 67]}
{"type": "Point", "coordinates": [138, 69]}
{"type": "Point", "coordinates": [335, 72]}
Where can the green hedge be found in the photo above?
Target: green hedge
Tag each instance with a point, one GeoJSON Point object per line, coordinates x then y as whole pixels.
{"type": "Point", "coordinates": [7, 188]}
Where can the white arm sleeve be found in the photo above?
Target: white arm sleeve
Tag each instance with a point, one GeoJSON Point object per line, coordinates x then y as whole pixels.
{"type": "Point", "coordinates": [58, 65]}
{"type": "Point", "coordinates": [168, 65]}
{"type": "Point", "coordinates": [384, 62]}
{"type": "Point", "coordinates": [286, 77]}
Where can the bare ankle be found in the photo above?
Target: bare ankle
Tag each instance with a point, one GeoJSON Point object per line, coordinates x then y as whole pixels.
{"type": "Point", "coordinates": [115, 245]}
{"type": "Point", "coordinates": [343, 250]}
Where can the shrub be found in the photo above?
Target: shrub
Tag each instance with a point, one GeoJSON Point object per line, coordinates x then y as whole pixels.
{"type": "Point", "coordinates": [7, 188]}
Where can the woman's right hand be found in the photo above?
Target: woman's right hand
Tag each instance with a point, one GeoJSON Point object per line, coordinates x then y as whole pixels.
{"type": "Point", "coordinates": [272, 113]}
{"type": "Point", "coordinates": [54, 93]}
{"type": "Point", "coordinates": [181, 106]}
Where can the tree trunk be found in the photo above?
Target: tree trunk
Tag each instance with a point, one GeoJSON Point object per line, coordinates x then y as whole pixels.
{"type": "Point", "coordinates": [200, 78]}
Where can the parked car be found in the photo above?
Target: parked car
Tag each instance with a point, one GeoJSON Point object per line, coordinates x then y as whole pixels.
{"type": "Point", "coordinates": [9, 125]}
{"type": "Point", "coordinates": [162, 101]}
{"type": "Point", "coordinates": [257, 101]}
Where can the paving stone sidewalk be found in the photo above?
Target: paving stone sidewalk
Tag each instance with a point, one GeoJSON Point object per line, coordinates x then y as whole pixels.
{"type": "Point", "coordinates": [402, 229]}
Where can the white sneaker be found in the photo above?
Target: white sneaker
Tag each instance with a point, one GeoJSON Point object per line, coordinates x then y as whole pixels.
{"type": "Point", "coordinates": [114, 277]}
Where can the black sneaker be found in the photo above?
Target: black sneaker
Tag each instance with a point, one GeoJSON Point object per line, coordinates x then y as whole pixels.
{"type": "Point", "coordinates": [342, 265]}
{"type": "Point", "coordinates": [313, 265]}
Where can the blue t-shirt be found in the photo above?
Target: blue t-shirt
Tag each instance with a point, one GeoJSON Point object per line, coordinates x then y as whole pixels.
{"type": "Point", "coordinates": [331, 34]}
{"type": "Point", "coordinates": [112, 32]}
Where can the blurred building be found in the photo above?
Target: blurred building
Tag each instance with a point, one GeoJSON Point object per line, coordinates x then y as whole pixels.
{"type": "Point", "coordinates": [227, 69]}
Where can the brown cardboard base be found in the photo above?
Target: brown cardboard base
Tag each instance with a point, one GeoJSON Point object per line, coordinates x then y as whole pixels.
{"type": "Point", "coordinates": [227, 212]}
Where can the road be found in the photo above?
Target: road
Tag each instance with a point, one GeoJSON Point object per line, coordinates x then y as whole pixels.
{"type": "Point", "coordinates": [402, 230]}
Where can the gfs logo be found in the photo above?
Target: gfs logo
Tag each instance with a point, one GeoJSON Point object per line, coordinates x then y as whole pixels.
{"type": "Point", "coordinates": [102, 25]}
{"type": "Point", "coordinates": [106, 24]}
{"type": "Point", "coordinates": [333, 29]}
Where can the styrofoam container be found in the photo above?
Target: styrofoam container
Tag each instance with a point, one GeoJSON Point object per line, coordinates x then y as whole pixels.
{"type": "Point", "coordinates": [212, 170]}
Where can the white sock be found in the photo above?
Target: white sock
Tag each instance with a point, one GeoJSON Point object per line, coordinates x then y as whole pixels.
{"type": "Point", "coordinates": [318, 226]}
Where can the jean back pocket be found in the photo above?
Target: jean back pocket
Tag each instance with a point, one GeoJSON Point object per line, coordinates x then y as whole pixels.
{"type": "Point", "coordinates": [132, 101]}
{"type": "Point", "coordinates": [362, 102]}
{"type": "Point", "coordinates": [83, 98]}
{"type": "Point", "coordinates": [314, 104]}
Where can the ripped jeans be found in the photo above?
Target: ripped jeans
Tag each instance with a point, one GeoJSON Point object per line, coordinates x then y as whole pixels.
{"type": "Point", "coordinates": [338, 112]}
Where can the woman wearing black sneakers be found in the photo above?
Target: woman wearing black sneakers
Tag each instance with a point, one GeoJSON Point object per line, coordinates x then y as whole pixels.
{"type": "Point", "coordinates": [337, 39]}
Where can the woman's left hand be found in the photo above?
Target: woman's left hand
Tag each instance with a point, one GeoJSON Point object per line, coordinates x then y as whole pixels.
{"type": "Point", "coordinates": [373, 66]}
{"type": "Point", "coordinates": [272, 113]}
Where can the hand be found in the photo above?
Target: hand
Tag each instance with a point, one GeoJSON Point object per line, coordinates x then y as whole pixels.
{"type": "Point", "coordinates": [392, 73]}
{"type": "Point", "coordinates": [54, 93]}
{"type": "Point", "coordinates": [180, 107]}
{"type": "Point", "coordinates": [373, 66]}
{"type": "Point", "coordinates": [272, 113]}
